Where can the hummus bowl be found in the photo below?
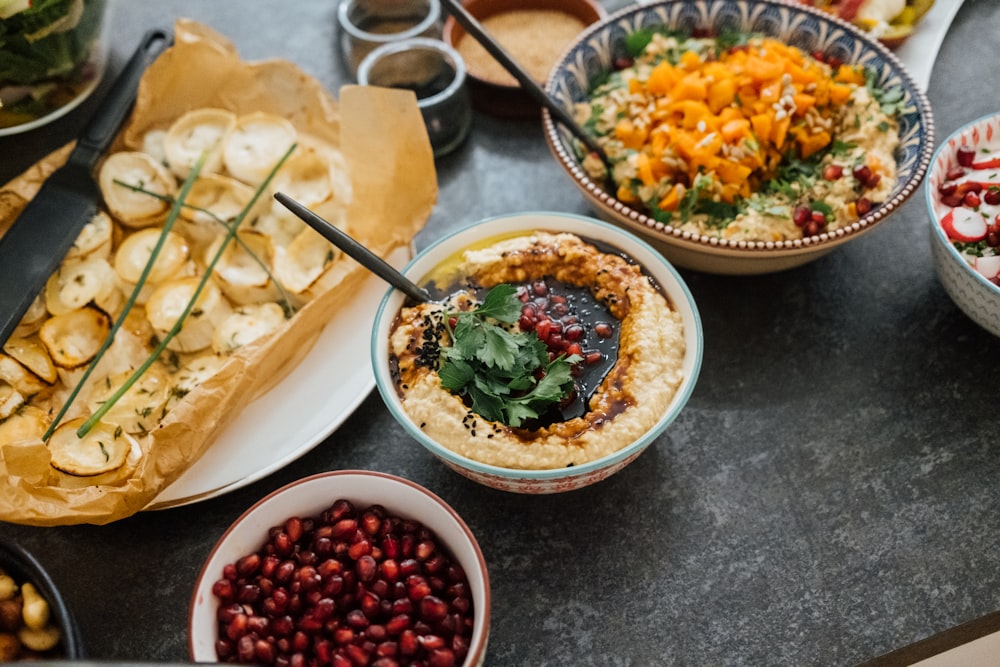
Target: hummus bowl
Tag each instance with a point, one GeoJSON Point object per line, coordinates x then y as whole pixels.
{"type": "Point", "coordinates": [613, 280]}
{"type": "Point", "coordinates": [963, 204]}
{"type": "Point", "coordinates": [607, 52]}
{"type": "Point", "coordinates": [367, 533]}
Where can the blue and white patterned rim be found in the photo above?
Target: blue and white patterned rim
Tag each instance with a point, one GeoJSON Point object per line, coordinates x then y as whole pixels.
{"type": "Point", "coordinates": [595, 50]}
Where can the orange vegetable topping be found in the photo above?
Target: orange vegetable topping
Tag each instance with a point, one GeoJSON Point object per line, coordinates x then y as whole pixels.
{"type": "Point", "coordinates": [735, 115]}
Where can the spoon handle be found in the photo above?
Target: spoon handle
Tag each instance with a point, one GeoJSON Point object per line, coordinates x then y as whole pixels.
{"type": "Point", "coordinates": [493, 47]}
{"type": "Point", "coordinates": [363, 255]}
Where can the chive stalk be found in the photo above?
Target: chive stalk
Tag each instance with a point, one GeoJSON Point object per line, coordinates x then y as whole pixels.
{"type": "Point", "coordinates": [230, 234]}
{"type": "Point", "coordinates": [168, 224]}
{"type": "Point", "coordinates": [287, 304]}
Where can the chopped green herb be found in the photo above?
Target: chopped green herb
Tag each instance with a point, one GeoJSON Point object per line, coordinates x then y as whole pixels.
{"type": "Point", "coordinates": [505, 375]}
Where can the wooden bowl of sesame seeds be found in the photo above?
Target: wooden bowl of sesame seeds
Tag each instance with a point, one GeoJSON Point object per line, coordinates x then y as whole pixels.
{"type": "Point", "coordinates": [534, 32]}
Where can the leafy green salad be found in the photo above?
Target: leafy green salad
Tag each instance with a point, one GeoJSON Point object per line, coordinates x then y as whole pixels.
{"type": "Point", "coordinates": [44, 48]}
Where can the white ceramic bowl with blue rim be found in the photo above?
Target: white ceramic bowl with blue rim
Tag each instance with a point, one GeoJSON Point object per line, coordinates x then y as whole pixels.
{"type": "Point", "coordinates": [595, 51]}
{"type": "Point", "coordinates": [964, 277]}
{"type": "Point", "coordinates": [309, 497]}
{"type": "Point", "coordinates": [557, 479]}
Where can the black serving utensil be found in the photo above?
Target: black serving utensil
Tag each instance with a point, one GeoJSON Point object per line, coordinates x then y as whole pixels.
{"type": "Point", "coordinates": [45, 230]}
{"type": "Point", "coordinates": [530, 86]}
{"type": "Point", "coordinates": [363, 255]}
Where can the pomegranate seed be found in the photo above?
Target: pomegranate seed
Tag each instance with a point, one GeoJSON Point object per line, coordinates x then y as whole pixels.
{"type": "Point", "coordinates": [542, 328]}
{"type": "Point", "coordinates": [863, 205]}
{"type": "Point", "coordinates": [237, 627]}
{"type": "Point", "coordinates": [430, 642]}
{"type": "Point", "coordinates": [873, 181]}
{"type": "Point", "coordinates": [832, 172]}
{"type": "Point", "coordinates": [433, 608]}
{"type": "Point", "coordinates": [283, 544]}
{"type": "Point", "coordinates": [258, 625]}
{"type": "Point", "coordinates": [408, 643]}
{"type": "Point", "coordinates": [819, 55]}
{"type": "Point", "coordinates": [952, 200]}
{"type": "Point", "coordinates": [344, 529]}
{"type": "Point", "coordinates": [357, 654]}
{"type": "Point", "coordinates": [954, 173]}
{"type": "Point", "coordinates": [323, 651]}
{"type": "Point", "coordinates": [324, 608]}
{"type": "Point", "coordinates": [371, 522]}
{"type": "Point", "coordinates": [623, 63]}
{"type": "Point", "coordinates": [971, 199]}
{"type": "Point", "coordinates": [818, 218]}
{"type": "Point", "coordinates": [834, 62]}
{"type": "Point", "coordinates": [862, 173]}
{"type": "Point", "coordinates": [343, 635]}
{"type": "Point", "coordinates": [947, 188]}
{"type": "Point", "coordinates": [801, 215]}
{"type": "Point", "coordinates": [811, 228]}
{"type": "Point", "coordinates": [293, 528]}
{"type": "Point", "coordinates": [389, 569]}
{"type": "Point", "coordinates": [992, 196]}
{"type": "Point", "coordinates": [357, 619]}
{"type": "Point", "coordinates": [965, 155]}
{"type": "Point", "coordinates": [264, 651]}
{"type": "Point", "coordinates": [370, 604]}
{"type": "Point", "coordinates": [245, 649]}
{"type": "Point", "coordinates": [441, 657]}
{"type": "Point", "coordinates": [224, 590]}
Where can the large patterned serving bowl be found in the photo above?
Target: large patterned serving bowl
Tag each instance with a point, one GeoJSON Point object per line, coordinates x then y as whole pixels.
{"type": "Point", "coordinates": [593, 55]}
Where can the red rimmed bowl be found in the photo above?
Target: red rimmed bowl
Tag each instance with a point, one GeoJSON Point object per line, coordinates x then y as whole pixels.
{"type": "Point", "coordinates": [253, 537]}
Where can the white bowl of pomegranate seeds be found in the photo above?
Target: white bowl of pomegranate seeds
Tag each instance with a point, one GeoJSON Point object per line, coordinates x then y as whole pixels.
{"type": "Point", "coordinates": [963, 198]}
{"type": "Point", "coordinates": [614, 310]}
{"type": "Point", "coordinates": [344, 568]}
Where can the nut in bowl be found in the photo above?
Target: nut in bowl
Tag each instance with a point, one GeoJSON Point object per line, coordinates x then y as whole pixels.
{"type": "Point", "coordinates": [553, 352]}
{"type": "Point", "coordinates": [35, 622]}
{"type": "Point", "coordinates": [963, 202]}
{"type": "Point", "coordinates": [744, 137]}
{"type": "Point", "coordinates": [356, 564]}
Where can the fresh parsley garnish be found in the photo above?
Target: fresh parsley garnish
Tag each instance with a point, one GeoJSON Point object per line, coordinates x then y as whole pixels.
{"type": "Point", "coordinates": [505, 374]}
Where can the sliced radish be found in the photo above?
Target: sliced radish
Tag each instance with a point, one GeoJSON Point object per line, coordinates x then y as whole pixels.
{"type": "Point", "coordinates": [992, 161]}
{"type": "Point", "coordinates": [989, 266]}
{"type": "Point", "coordinates": [964, 224]}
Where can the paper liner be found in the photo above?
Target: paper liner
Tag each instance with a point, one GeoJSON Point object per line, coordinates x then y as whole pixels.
{"type": "Point", "coordinates": [381, 135]}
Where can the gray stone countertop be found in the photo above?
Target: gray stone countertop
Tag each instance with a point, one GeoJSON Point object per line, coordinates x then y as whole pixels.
{"type": "Point", "coordinates": [829, 494]}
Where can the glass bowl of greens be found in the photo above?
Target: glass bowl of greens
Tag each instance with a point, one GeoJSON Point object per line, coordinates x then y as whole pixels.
{"type": "Point", "coordinates": [741, 137]}
{"type": "Point", "coordinates": [51, 59]}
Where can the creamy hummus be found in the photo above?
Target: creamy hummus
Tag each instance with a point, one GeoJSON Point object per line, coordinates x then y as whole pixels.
{"type": "Point", "coordinates": [632, 397]}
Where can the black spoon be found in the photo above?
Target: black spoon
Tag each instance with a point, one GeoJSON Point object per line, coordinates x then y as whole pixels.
{"type": "Point", "coordinates": [530, 86]}
{"type": "Point", "coordinates": [363, 255]}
